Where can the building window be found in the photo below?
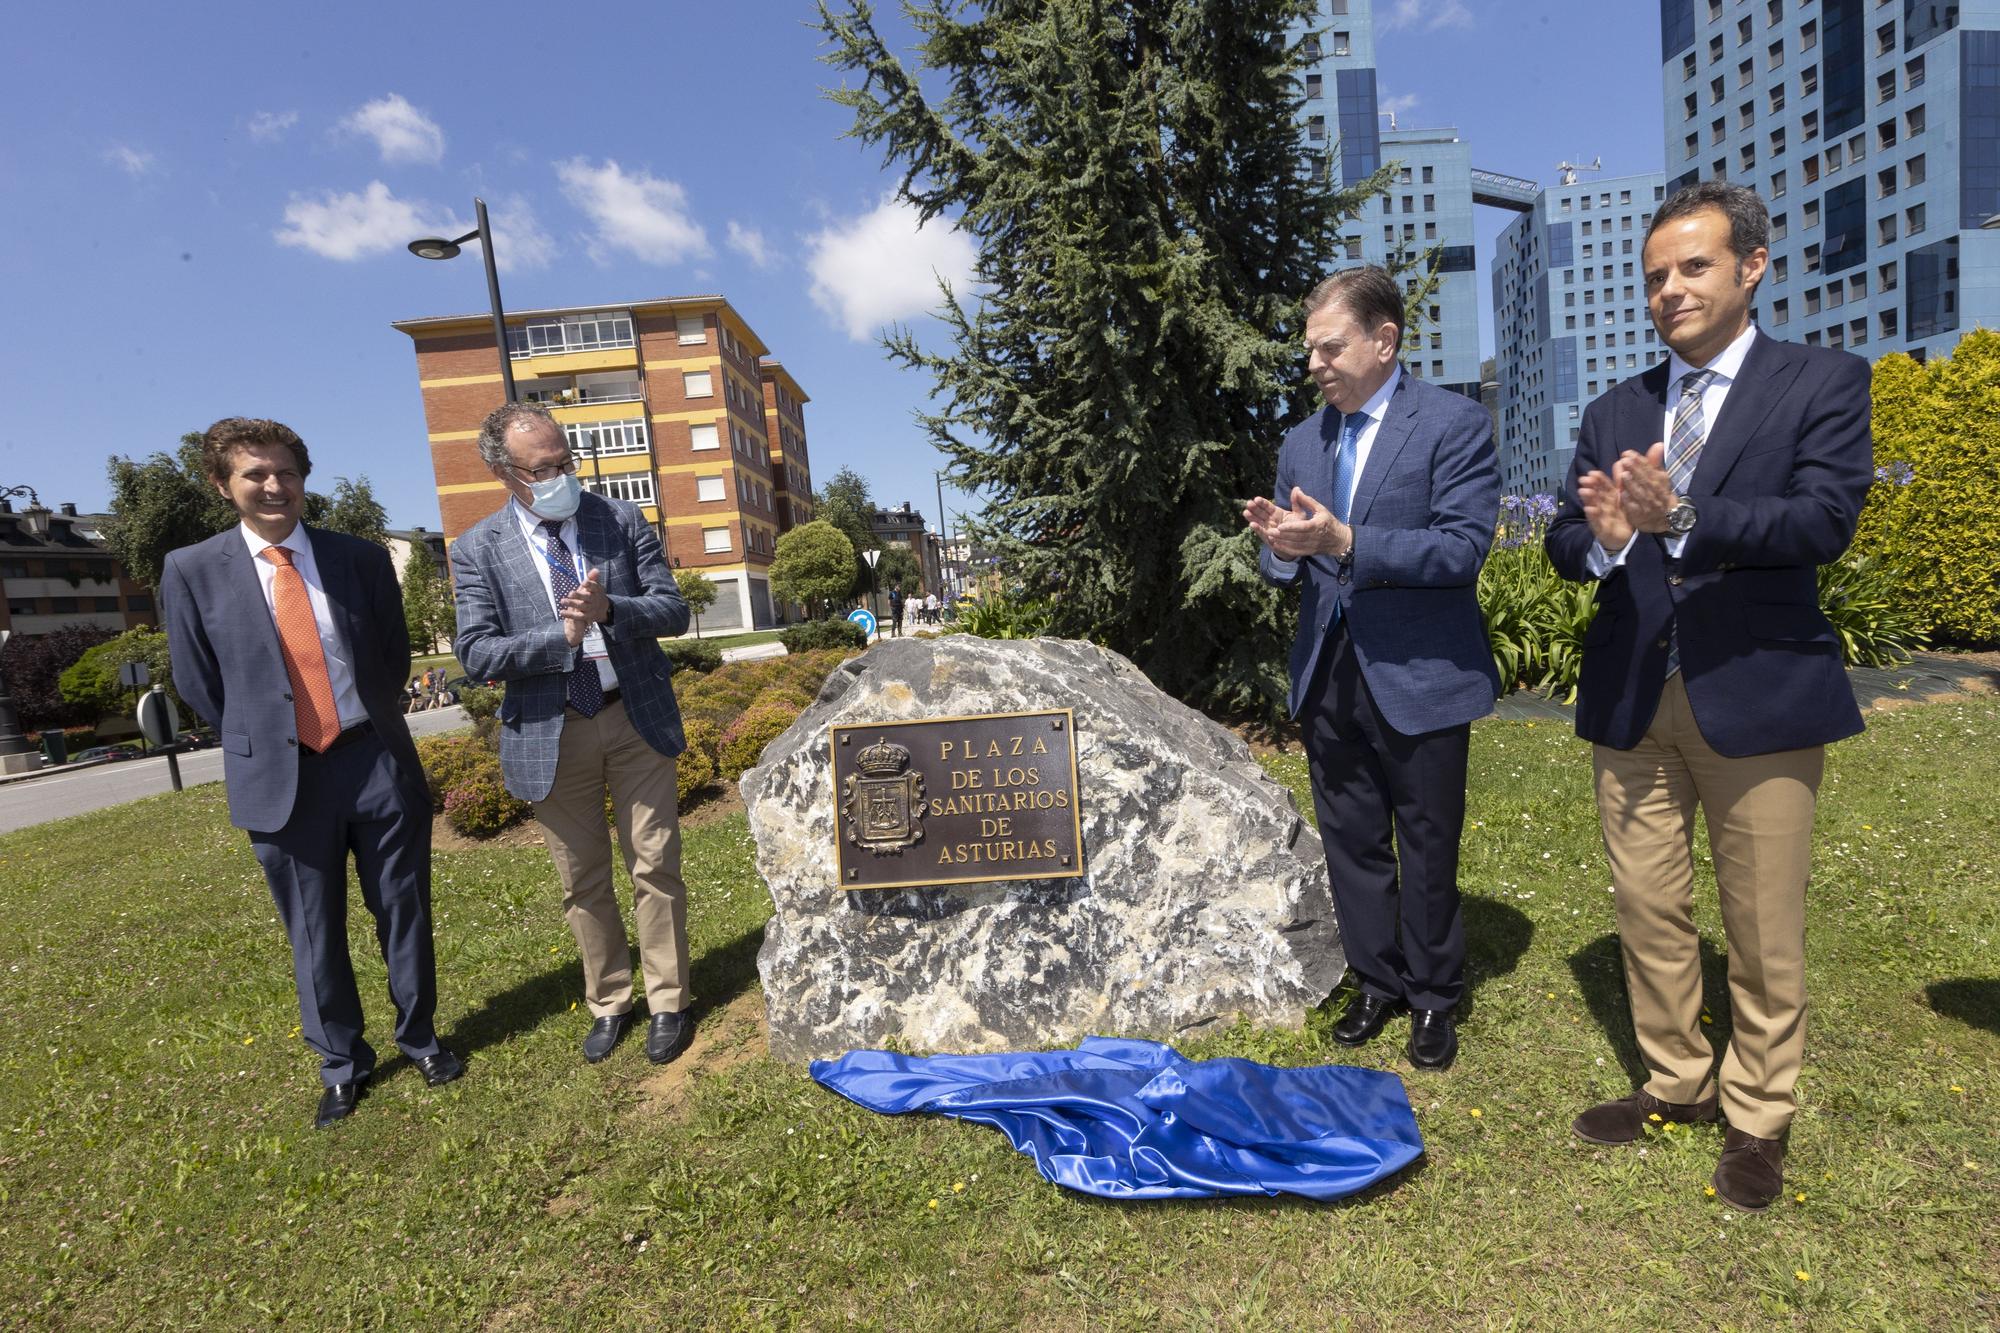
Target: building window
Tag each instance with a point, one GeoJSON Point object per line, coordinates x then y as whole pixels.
{"type": "Point", "coordinates": [1913, 73]}
{"type": "Point", "coordinates": [1777, 141]}
{"type": "Point", "coordinates": [1777, 98]}
{"type": "Point", "coordinates": [1808, 35]}
{"type": "Point", "coordinates": [697, 384]}
{"type": "Point", "coordinates": [1314, 85]}
{"type": "Point", "coordinates": [1913, 220]}
{"type": "Point", "coordinates": [571, 333]}
{"type": "Point", "coordinates": [634, 486]}
{"type": "Point", "coordinates": [139, 601]}
{"type": "Point", "coordinates": [707, 489]}
{"type": "Point", "coordinates": [1781, 312]}
{"type": "Point", "coordinates": [1885, 182]}
{"type": "Point", "coordinates": [1316, 128]}
{"type": "Point", "coordinates": [606, 439]}
{"type": "Point", "coordinates": [1430, 175]}
{"type": "Point", "coordinates": [714, 540]}
{"type": "Point", "coordinates": [691, 330]}
{"type": "Point", "coordinates": [704, 436]}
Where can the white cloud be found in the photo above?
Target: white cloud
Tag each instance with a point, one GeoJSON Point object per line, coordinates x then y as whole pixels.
{"type": "Point", "coordinates": [519, 242]}
{"type": "Point", "coordinates": [1399, 105]}
{"type": "Point", "coordinates": [131, 161]}
{"type": "Point", "coordinates": [400, 131]}
{"type": "Point", "coordinates": [271, 126]}
{"type": "Point", "coordinates": [642, 214]}
{"type": "Point", "coordinates": [1427, 15]}
{"type": "Point", "coordinates": [353, 226]}
{"type": "Point", "coordinates": [880, 267]}
{"type": "Point", "coordinates": [749, 242]}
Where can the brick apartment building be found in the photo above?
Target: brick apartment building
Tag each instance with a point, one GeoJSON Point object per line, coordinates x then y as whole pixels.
{"type": "Point", "coordinates": [55, 571]}
{"type": "Point", "coordinates": [672, 404]}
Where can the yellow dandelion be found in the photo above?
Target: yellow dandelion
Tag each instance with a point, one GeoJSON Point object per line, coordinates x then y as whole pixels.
{"type": "Point", "coordinates": [1800, 1197]}
{"type": "Point", "coordinates": [1956, 1088]}
{"type": "Point", "coordinates": [1971, 1165]}
{"type": "Point", "coordinates": [1476, 1113]}
{"type": "Point", "coordinates": [1706, 1017]}
{"type": "Point", "coordinates": [553, 949]}
{"type": "Point", "coordinates": [1654, 1117]}
{"type": "Point", "coordinates": [1552, 995]}
{"type": "Point", "coordinates": [572, 1006]}
{"type": "Point", "coordinates": [1869, 827]}
{"type": "Point", "coordinates": [248, 1040]}
{"type": "Point", "coordinates": [1709, 1190]}
{"type": "Point", "coordinates": [958, 1187]}
{"type": "Point", "coordinates": [1801, 1275]}
{"type": "Point", "coordinates": [931, 1204]}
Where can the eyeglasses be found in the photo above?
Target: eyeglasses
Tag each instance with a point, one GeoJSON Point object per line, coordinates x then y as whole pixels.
{"type": "Point", "coordinates": [565, 468]}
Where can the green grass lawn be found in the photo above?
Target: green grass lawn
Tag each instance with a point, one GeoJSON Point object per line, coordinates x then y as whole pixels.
{"type": "Point", "coordinates": [158, 1169]}
{"type": "Point", "coordinates": [746, 639]}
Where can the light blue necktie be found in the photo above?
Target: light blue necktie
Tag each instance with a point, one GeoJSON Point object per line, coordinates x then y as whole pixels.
{"type": "Point", "coordinates": [1344, 455]}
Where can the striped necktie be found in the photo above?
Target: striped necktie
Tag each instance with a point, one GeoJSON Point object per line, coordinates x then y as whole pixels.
{"type": "Point", "coordinates": [586, 687]}
{"type": "Point", "coordinates": [1689, 429]}
{"type": "Point", "coordinates": [1344, 455]}
{"type": "Point", "coordinates": [304, 654]}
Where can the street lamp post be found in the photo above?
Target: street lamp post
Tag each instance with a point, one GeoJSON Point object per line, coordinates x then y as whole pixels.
{"type": "Point", "coordinates": [436, 247]}
{"type": "Point", "coordinates": [944, 531]}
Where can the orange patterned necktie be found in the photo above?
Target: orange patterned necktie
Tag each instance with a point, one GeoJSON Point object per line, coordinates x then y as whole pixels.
{"type": "Point", "coordinates": [305, 656]}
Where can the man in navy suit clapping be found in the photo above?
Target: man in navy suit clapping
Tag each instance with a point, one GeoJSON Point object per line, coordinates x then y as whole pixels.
{"type": "Point", "coordinates": [1384, 510]}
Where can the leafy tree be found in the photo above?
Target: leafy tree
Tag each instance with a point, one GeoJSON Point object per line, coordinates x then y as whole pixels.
{"type": "Point", "coordinates": [353, 509]}
{"type": "Point", "coordinates": [33, 670]}
{"type": "Point", "coordinates": [699, 591]}
{"type": "Point", "coordinates": [1147, 216]}
{"type": "Point", "coordinates": [91, 683]}
{"type": "Point", "coordinates": [813, 565]}
{"type": "Point", "coordinates": [899, 565]}
{"type": "Point", "coordinates": [1930, 515]}
{"type": "Point", "coordinates": [846, 503]}
{"type": "Point", "coordinates": [428, 612]}
{"type": "Point", "coordinates": [160, 505]}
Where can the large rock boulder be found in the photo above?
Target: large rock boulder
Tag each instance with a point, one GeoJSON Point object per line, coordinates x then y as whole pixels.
{"type": "Point", "coordinates": [1204, 895]}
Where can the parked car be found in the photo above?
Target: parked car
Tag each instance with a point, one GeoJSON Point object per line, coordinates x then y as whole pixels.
{"type": "Point", "coordinates": [107, 752]}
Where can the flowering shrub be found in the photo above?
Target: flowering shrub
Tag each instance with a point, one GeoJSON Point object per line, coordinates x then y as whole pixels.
{"type": "Point", "coordinates": [743, 743]}
{"type": "Point", "coordinates": [450, 757]}
{"type": "Point", "coordinates": [1878, 627]}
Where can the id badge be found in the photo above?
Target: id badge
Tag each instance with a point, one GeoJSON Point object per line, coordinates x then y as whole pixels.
{"type": "Point", "coordinates": [593, 645]}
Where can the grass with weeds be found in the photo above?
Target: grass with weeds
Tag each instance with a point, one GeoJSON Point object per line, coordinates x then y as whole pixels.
{"type": "Point", "coordinates": [157, 1165]}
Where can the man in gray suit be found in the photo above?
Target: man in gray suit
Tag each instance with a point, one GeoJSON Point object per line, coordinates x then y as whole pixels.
{"type": "Point", "coordinates": [564, 595]}
{"type": "Point", "coordinates": [291, 642]}
{"type": "Point", "coordinates": [1385, 506]}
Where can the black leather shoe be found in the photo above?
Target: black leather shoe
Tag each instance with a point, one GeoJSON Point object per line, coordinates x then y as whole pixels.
{"type": "Point", "coordinates": [1433, 1039]}
{"type": "Point", "coordinates": [604, 1034]}
{"type": "Point", "coordinates": [1625, 1120]}
{"type": "Point", "coordinates": [1751, 1174]}
{"type": "Point", "coordinates": [1364, 1018]}
{"type": "Point", "coordinates": [441, 1068]}
{"type": "Point", "coordinates": [337, 1102]}
{"type": "Point", "coordinates": [667, 1036]}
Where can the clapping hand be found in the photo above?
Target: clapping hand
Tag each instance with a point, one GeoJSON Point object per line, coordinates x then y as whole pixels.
{"type": "Point", "coordinates": [585, 606]}
{"type": "Point", "coordinates": [1307, 528]}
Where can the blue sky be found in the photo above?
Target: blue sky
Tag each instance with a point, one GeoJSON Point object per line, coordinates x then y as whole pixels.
{"type": "Point", "coordinates": [203, 207]}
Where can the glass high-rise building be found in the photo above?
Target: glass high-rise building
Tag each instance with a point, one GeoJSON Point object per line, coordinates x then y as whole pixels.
{"type": "Point", "coordinates": [1429, 202]}
{"type": "Point", "coordinates": [1569, 316]}
{"type": "Point", "coordinates": [1872, 130]}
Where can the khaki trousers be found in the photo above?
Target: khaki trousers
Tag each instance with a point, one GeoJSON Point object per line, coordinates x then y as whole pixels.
{"type": "Point", "coordinates": [596, 751]}
{"type": "Point", "coordinates": [1759, 812]}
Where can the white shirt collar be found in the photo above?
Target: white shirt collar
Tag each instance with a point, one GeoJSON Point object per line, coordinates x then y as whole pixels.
{"type": "Point", "coordinates": [295, 541]}
{"type": "Point", "coordinates": [1728, 363]}
{"type": "Point", "coordinates": [1378, 402]}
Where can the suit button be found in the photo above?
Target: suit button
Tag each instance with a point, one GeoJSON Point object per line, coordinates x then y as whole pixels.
{"type": "Point", "coordinates": [1675, 581]}
{"type": "Point", "coordinates": [288, 698]}
{"type": "Point", "coordinates": [291, 740]}
{"type": "Point", "coordinates": [1659, 643]}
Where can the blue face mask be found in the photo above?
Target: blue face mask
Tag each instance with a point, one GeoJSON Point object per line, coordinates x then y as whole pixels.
{"type": "Point", "coordinates": [556, 498]}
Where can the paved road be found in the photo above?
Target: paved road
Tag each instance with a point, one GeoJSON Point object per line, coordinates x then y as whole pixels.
{"type": "Point", "coordinates": [25, 803]}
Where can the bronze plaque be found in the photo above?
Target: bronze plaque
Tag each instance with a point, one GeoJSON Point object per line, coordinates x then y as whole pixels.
{"type": "Point", "coordinates": [957, 800]}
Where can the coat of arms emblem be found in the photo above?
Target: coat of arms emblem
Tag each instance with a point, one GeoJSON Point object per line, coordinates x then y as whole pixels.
{"type": "Point", "coordinates": [885, 801]}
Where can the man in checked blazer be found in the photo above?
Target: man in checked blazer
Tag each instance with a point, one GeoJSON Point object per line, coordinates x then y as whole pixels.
{"type": "Point", "coordinates": [564, 595]}
{"type": "Point", "coordinates": [291, 641]}
{"type": "Point", "coordinates": [1703, 496]}
{"type": "Point", "coordinates": [1385, 507]}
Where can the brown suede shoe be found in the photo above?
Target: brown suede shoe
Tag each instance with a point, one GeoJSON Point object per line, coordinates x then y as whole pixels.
{"type": "Point", "coordinates": [1625, 1120]}
{"type": "Point", "coordinates": [1751, 1174]}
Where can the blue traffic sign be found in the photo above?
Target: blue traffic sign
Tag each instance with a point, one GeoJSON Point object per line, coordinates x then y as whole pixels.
{"type": "Point", "coordinates": [865, 618]}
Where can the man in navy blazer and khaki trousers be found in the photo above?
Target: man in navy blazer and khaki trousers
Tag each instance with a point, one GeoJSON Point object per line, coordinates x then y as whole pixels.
{"type": "Point", "coordinates": [564, 595]}
{"type": "Point", "coordinates": [1386, 502]}
{"type": "Point", "coordinates": [1703, 495]}
{"type": "Point", "coordinates": [291, 642]}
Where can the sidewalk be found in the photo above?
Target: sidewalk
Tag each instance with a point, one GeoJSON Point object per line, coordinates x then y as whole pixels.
{"type": "Point", "coordinates": [1924, 676]}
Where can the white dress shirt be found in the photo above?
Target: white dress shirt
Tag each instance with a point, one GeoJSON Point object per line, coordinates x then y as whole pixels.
{"type": "Point", "coordinates": [339, 657]}
{"type": "Point", "coordinates": [537, 538]}
{"type": "Point", "coordinates": [1371, 413]}
{"type": "Point", "coordinates": [1726, 366]}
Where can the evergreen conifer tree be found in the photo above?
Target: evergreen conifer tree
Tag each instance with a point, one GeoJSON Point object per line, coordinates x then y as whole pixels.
{"type": "Point", "coordinates": [1148, 216]}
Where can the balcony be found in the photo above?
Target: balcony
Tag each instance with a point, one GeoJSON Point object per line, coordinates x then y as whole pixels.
{"type": "Point", "coordinates": [581, 390]}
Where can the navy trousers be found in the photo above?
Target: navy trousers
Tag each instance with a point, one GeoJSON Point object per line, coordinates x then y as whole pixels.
{"type": "Point", "coordinates": [1391, 809]}
{"type": "Point", "coordinates": [350, 801]}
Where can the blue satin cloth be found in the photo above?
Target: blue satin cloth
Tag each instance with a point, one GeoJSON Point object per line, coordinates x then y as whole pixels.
{"type": "Point", "coordinates": [1127, 1119]}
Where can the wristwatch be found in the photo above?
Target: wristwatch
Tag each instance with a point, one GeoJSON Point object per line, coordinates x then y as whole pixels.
{"type": "Point", "coordinates": [1680, 519]}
